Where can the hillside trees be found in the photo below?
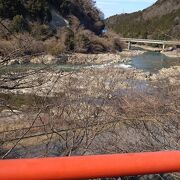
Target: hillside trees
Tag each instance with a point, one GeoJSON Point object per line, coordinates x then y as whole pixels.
{"type": "Point", "coordinates": [18, 24]}
{"type": "Point", "coordinates": [35, 9]}
{"type": "Point", "coordinates": [11, 8]}
{"type": "Point", "coordinates": [33, 18]}
{"type": "Point", "coordinates": [150, 23]}
{"type": "Point", "coordinates": [38, 10]}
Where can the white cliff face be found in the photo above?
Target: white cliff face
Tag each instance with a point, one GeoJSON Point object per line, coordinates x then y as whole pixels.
{"type": "Point", "coordinates": [57, 20]}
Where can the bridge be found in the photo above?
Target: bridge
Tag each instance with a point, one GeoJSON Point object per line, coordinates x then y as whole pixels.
{"type": "Point", "coordinates": [149, 41]}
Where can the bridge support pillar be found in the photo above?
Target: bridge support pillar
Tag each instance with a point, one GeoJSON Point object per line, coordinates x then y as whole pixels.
{"type": "Point", "coordinates": [129, 45]}
{"type": "Point", "coordinates": [163, 47]}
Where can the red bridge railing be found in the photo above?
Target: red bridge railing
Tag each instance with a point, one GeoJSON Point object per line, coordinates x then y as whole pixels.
{"type": "Point", "coordinates": [91, 166]}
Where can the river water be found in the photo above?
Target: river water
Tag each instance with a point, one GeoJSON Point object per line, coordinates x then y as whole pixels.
{"type": "Point", "coordinates": [153, 61]}
{"type": "Point", "coordinates": [149, 62]}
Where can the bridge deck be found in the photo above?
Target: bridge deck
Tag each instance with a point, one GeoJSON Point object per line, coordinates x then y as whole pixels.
{"type": "Point", "coordinates": [150, 41]}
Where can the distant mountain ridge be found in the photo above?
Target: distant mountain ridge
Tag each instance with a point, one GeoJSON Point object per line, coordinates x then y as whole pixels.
{"type": "Point", "coordinates": [160, 8]}
{"type": "Point", "coordinates": [159, 21]}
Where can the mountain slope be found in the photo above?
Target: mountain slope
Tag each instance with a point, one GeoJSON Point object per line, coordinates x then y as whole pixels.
{"type": "Point", "coordinates": [40, 11]}
{"type": "Point", "coordinates": [62, 25]}
{"type": "Point", "coordinates": [160, 21]}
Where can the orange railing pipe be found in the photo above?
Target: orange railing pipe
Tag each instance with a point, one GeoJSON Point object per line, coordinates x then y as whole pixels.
{"type": "Point", "coordinates": [91, 166]}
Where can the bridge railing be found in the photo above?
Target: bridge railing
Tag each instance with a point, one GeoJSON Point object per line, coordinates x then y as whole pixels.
{"type": "Point", "coordinates": [84, 167]}
{"type": "Point", "coordinates": [150, 41]}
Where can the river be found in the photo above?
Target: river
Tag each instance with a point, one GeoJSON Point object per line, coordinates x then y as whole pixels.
{"type": "Point", "coordinates": [148, 62]}
{"type": "Point", "coordinates": [153, 61]}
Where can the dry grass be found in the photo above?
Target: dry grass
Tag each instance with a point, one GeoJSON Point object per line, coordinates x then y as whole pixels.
{"type": "Point", "coordinates": [86, 41]}
{"type": "Point", "coordinates": [21, 44]}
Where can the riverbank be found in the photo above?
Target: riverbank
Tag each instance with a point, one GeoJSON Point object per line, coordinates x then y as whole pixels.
{"type": "Point", "coordinates": [81, 67]}
{"type": "Point", "coordinates": [174, 53]}
{"type": "Point", "coordinates": [76, 58]}
{"type": "Point", "coordinates": [147, 48]}
{"type": "Point", "coordinates": [124, 56]}
{"type": "Point", "coordinates": [86, 80]}
{"type": "Point", "coordinates": [170, 75]}
{"type": "Point", "coordinates": [169, 52]}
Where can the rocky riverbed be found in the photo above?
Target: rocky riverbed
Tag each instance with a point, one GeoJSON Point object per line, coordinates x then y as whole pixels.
{"type": "Point", "coordinates": [51, 109]}
{"type": "Point", "coordinates": [88, 80]}
{"type": "Point", "coordinates": [100, 68]}
{"type": "Point", "coordinates": [169, 51]}
{"type": "Point", "coordinates": [75, 58]}
{"type": "Point", "coordinates": [174, 53]}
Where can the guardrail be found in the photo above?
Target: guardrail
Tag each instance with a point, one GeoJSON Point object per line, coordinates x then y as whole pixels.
{"type": "Point", "coordinates": [84, 167]}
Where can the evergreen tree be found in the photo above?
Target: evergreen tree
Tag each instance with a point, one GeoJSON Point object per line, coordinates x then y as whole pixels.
{"type": "Point", "coordinates": [11, 8]}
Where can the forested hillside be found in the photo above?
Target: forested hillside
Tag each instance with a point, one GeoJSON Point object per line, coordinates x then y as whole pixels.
{"type": "Point", "coordinates": [65, 25]}
{"type": "Point", "coordinates": [160, 21]}
{"type": "Point", "coordinates": [40, 11]}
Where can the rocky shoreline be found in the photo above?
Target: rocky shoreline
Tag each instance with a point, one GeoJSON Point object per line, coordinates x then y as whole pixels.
{"type": "Point", "coordinates": [76, 58]}
{"type": "Point", "coordinates": [173, 53]}
{"type": "Point", "coordinates": [83, 78]}
{"type": "Point", "coordinates": [86, 81]}
{"type": "Point", "coordinates": [84, 59]}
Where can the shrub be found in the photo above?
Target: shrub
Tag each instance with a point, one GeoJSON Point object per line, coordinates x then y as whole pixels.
{"type": "Point", "coordinates": [28, 44]}
{"type": "Point", "coordinates": [18, 24]}
{"type": "Point", "coordinates": [86, 41]}
{"type": "Point", "coordinates": [82, 40]}
{"type": "Point", "coordinates": [11, 8]}
{"type": "Point", "coordinates": [5, 47]}
{"type": "Point", "coordinates": [69, 41]}
{"type": "Point", "coordinates": [23, 44]}
{"type": "Point", "coordinates": [99, 44]}
{"type": "Point", "coordinates": [4, 32]}
{"type": "Point", "coordinates": [40, 31]}
{"type": "Point", "coordinates": [54, 47]}
{"type": "Point", "coordinates": [114, 40]}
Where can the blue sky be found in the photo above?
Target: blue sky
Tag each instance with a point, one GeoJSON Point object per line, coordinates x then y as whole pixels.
{"type": "Point", "coordinates": [112, 7]}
